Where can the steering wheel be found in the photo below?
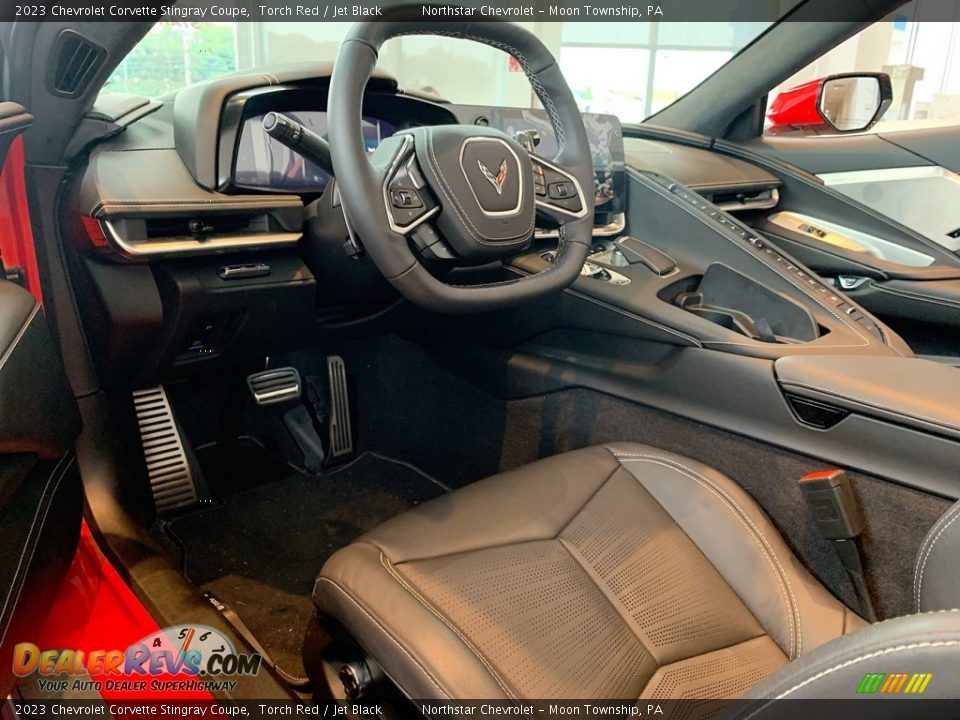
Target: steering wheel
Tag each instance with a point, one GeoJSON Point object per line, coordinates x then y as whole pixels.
{"type": "Point", "coordinates": [468, 192]}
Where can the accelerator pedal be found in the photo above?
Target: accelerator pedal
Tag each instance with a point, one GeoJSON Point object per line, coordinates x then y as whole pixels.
{"type": "Point", "coordinates": [341, 432]}
{"type": "Point", "coordinates": [171, 479]}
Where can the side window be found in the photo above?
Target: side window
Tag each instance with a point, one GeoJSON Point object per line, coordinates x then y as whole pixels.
{"type": "Point", "coordinates": [921, 58]}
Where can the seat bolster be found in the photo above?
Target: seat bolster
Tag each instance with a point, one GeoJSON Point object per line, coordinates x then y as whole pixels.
{"type": "Point", "coordinates": [530, 503]}
{"type": "Point", "coordinates": [914, 644]}
{"type": "Point", "coordinates": [743, 545]}
{"type": "Point", "coordinates": [936, 583]}
{"type": "Point", "coordinates": [422, 654]}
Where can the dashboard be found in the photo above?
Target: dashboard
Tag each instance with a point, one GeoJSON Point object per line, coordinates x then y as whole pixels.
{"type": "Point", "coordinates": [261, 163]}
{"type": "Point", "coordinates": [233, 240]}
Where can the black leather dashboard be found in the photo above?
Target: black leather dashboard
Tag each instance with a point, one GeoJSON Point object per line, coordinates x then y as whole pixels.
{"type": "Point", "coordinates": [696, 167]}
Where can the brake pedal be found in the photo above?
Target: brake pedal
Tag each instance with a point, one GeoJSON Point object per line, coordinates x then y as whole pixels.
{"type": "Point", "coordinates": [341, 433]}
{"type": "Point", "coordinates": [274, 386]}
{"type": "Point", "coordinates": [171, 479]}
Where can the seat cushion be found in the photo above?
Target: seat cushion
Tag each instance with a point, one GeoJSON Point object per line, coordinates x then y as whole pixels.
{"type": "Point", "coordinates": [617, 571]}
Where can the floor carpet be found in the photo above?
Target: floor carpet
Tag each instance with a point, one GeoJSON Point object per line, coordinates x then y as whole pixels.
{"type": "Point", "coordinates": [259, 549]}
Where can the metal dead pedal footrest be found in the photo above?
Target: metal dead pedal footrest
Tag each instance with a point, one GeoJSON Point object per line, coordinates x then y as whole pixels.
{"type": "Point", "coordinates": [341, 434]}
{"type": "Point", "coordinates": [274, 386]}
{"type": "Point", "coordinates": [171, 479]}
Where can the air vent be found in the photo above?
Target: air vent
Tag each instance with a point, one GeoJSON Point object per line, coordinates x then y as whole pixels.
{"type": "Point", "coordinates": [76, 61]}
{"type": "Point", "coordinates": [205, 225]}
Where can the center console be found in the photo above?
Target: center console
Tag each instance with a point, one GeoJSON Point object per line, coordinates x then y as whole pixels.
{"type": "Point", "coordinates": [693, 268]}
{"type": "Point", "coordinates": [893, 409]}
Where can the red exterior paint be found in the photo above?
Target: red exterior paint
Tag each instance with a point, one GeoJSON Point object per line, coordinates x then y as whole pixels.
{"type": "Point", "coordinates": [796, 106]}
{"type": "Point", "coordinates": [96, 610]}
{"type": "Point", "coordinates": [16, 232]}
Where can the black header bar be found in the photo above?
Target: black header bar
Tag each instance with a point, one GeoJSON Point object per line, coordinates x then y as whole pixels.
{"type": "Point", "coordinates": [463, 10]}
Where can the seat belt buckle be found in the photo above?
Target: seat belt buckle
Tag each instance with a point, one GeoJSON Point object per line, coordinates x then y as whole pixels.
{"type": "Point", "coordinates": [838, 517]}
{"type": "Point", "coordinates": [832, 503]}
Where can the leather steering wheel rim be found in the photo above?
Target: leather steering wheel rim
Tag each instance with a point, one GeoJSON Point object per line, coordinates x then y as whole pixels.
{"type": "Point", "coordinates": [361, 181]}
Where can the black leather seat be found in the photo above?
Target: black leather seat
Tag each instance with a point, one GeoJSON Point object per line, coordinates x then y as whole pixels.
{"type": "Point", "coordinates": [618, 571]}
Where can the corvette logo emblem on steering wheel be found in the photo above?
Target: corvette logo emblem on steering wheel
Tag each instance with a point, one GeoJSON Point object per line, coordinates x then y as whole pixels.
{"type": "Point", "coordinates": [497, 181]}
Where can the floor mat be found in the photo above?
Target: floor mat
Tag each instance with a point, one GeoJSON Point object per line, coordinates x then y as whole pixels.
{"type": "Point", "coordinates": [259, 549]}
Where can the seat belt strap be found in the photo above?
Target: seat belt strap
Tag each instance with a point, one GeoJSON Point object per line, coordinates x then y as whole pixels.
{"type": "Point", "coordinates": [838, 517]}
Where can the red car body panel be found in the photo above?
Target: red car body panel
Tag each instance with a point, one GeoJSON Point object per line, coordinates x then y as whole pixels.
{"type": "Point", "coordinates": [796, 106]}
{"type": "Point", "coordinates": [96, 610]}
{"type": "Point", "coordinates": [16, 233]}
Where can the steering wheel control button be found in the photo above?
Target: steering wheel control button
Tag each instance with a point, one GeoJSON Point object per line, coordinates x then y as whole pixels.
{"type": "Point", "coordinates": [404, 198]}
{"type": "Point", "coordinates": [557, 194]}
{"type": "Point", "coordinates": [562, 190]}
{"type": "Point", "coordinates": [539, 181]}
{"type": "Point", "coordinates": [408, 200]}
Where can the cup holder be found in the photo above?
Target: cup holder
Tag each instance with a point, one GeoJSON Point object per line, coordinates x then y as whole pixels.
{"type": "Point", "coordinates": [740, 304]}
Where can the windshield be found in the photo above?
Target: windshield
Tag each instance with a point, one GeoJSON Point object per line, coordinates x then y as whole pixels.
{"type": "Point", "coordinates": [629, 69]}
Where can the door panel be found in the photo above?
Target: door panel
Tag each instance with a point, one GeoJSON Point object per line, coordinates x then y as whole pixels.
{"type": "Point", "coordinates": [837, 153]}
{"type": "Point", "coordinates": [909, 177]}
{"type": "Point", "coordinates": [41, 503]}
{"type": "Point", "coordinates": [937, 146]}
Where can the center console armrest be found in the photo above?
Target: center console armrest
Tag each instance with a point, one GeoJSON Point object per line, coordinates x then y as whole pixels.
{"type": "Point", "coordinates": [907, 391]}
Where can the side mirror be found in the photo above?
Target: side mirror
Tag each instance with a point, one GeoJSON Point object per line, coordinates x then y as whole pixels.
{"type": "Point", "coordinates": [851, 102]}
{"type": "Point", "coordinates": [854, 102]}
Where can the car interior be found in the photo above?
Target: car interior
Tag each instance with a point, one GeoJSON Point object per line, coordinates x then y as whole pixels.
{"type": "Point", "coordinates": [428, 400]}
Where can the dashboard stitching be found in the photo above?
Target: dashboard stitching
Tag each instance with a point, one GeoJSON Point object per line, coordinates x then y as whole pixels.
{"type": "Point", "coordinates": [915, 296]}
{"type": "Point", "coordinates": [826, 251]}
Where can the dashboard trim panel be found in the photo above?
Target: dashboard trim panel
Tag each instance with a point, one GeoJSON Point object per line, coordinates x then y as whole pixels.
{"type": "Point", "coordinates": [184, 246]}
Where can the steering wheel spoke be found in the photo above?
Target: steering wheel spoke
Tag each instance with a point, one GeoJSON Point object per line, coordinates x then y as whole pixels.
{"type": "Point", "coordinates": [431, 245]}
{"type": "Point", "coordinates": [406, 196]}
{"type": "Point", "coordinates": [559, 197]}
